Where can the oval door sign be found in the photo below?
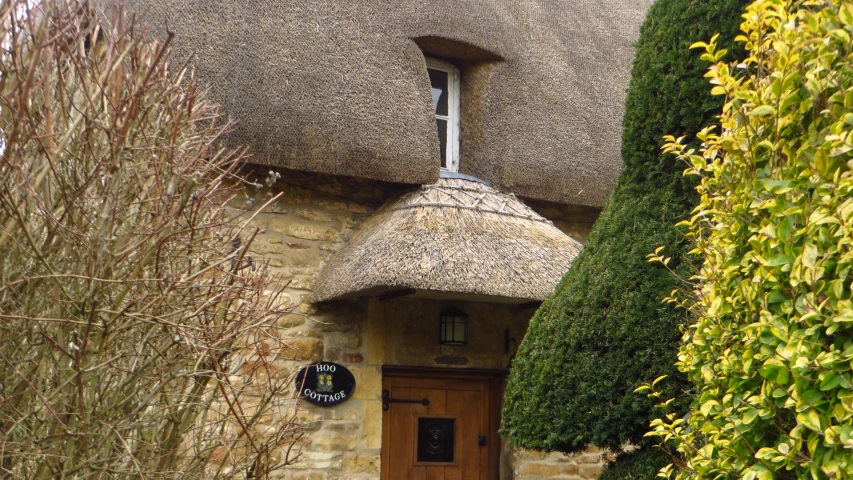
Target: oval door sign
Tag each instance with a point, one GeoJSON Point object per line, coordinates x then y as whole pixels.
{"type": "Point", "coordinates": [325, 383]}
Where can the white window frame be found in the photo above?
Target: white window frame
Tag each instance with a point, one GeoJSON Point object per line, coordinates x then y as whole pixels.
{"type": "Point", "coordinates": [453, 94]}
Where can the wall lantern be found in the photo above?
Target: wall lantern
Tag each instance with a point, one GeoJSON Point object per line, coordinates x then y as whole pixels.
{"type": "Point", "coordinates": [454, 327]}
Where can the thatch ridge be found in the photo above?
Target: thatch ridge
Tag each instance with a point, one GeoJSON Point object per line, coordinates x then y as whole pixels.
{"type": "Point", "coordinates": [340, 87]}
{"type": "Point", "coordinates": [479, 197]}
{"type": "Point", "coordinates": [476, 241]}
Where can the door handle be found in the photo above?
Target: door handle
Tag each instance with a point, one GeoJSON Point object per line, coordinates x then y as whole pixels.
{"type": "Point", "coordinates": [481, 440]}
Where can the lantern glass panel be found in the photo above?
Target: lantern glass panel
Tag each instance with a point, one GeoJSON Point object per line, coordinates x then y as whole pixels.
{"type": "Point", "coordinates": [453, 327]}
{"type": "Point", "coordinates": [460, 331]}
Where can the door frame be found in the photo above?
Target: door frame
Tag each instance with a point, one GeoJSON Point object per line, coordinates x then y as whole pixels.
{"type": "Point", "coordinates": [495, 380]}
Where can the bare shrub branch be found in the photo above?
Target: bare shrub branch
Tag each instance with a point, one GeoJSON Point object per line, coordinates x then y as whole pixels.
{"type": "Point", "coordinates": [137, 338]}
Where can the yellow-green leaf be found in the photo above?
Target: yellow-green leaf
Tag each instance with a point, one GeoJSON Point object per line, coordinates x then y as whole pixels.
{"type": "Point", "coordinates": [762, 111]}
{"type": "Point", "coordinates": [810, 419]}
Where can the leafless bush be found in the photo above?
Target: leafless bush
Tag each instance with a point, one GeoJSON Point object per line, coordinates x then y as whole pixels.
{"type": "Point", "coordinates": [136, 335]}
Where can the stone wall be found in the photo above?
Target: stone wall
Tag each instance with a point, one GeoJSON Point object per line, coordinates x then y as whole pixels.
{"type": "Point", "coordinates": [574, 221]}
{"type": "Point", "coordinates": [529, 465]}
{"type": "Point", "coordinates": [313, 217]}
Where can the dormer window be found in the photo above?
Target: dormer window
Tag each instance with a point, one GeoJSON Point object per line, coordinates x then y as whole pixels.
{"type": "Point", "coordinates": [444, 80]}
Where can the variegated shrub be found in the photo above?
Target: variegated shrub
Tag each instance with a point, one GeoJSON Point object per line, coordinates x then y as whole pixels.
{"type": "Point", "coordinates": [771, 351]}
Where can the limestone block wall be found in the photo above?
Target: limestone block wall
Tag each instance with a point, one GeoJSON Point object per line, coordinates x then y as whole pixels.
{"type": "Point", "coordinates": [529, 465]}
{"type": "Point", "coordinates": [313, 217]}
{"type": "Point", "coordinates": [574, 221]}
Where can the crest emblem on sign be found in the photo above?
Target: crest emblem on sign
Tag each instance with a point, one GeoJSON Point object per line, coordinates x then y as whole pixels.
{"type": "Point", "coordinates": [324, 382]}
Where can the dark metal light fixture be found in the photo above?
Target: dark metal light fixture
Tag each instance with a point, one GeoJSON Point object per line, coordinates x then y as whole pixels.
{"type": "Point", "coordinates": [510, 347]}
{"type": "Point", "coordinates": [453, 327]}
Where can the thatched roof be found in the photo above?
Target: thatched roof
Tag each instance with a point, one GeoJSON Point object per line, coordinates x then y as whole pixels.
{"type": "Point", "coordinates": [340, 87]}
{"type": "Point", "coordinates": [454, 236]}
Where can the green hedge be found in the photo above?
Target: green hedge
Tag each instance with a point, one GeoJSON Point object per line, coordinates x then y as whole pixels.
{"type": "Point", "coordinates": [771, 352]}
{"type": "Point", "coordinates": [605, 330]}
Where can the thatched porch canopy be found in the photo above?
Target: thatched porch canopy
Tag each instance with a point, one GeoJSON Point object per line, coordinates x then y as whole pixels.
{"type": "Point", "coordinates": [457, 236]}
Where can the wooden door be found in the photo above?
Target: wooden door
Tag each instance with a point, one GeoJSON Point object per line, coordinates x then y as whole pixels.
{"type": "Point", "coordinates": [452, 438]}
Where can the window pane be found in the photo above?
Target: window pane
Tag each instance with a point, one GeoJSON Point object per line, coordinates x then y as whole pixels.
{"type": "Point", "coordinates": [438, 81]}
{"type": "Point", "coordinates": [442, 140]}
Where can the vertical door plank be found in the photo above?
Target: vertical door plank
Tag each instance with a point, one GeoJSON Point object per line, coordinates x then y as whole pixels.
{"type": "Point", "coordinates": [418, 473]}
{"type": "Point", "coordinates": [452, 473]}
{"type": "Point", "coordinates": [437, 401]}
{"type": "Point", "coordinates": [435, 473]}
{"type": "Point", "coordinates": [485, 424]}
{"type": "Point", "coordinates": [494, 400]}
{"type": "Point", "coordinates": [436, 407]}
{"type": "Point", "coordinates": [456, 407]}
{"type": "Point", "coordinates": [455, 402]}
{"type": "Point", "coordinates": [419, 409]}
{"type": "Point", "coordinates": [469, 450]}
{"type": "Point", "coordinates": [400, 455]}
